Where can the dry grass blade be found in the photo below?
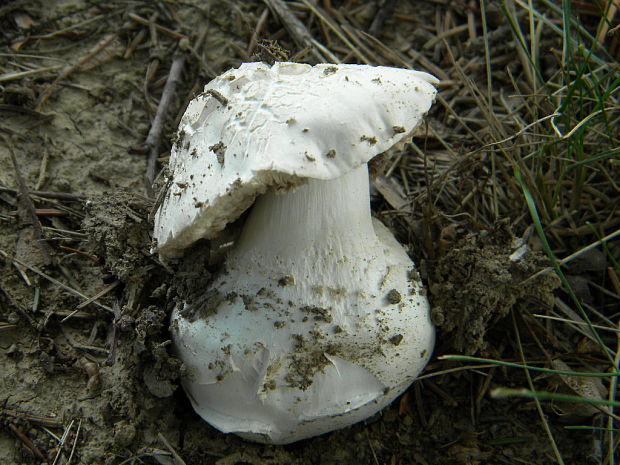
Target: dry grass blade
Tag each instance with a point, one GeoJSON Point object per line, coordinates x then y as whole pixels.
{"type": "Point", "coordinates": [543, 419]}
{"type": "Point", "coordinates": [28, 213]}
{"type": "Point", "coordinates": [332, 26]}
{"type": "Point", "coordinates": [165, 30]}
{"type": "Point", "coordinates": [53, 281]}
{"type": "Point", "coordinates": [68, 70]}
{"type": "Point", "coordinates": [99, 294]}
{"type": "Point", "coordinates": [62, 441]}
{"type": "Point", "coordinates": [75, 440]}
{"type": "Point", "coordinates": [175, 456]}
{"type": "Point", "coordinates": [32, 72]}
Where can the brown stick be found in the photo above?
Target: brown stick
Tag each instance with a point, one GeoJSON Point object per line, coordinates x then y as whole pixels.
{"type": "Point", "coordinates": [49, 195]}
{"type": "Point", "coordinates": [67, 71]}
{"type": "Point", "coordinates": [27, 442]}
{"type": "Point", "coordinates": [26, 208]}
{"type": "Point", "coordinates": [52, 280]}
{"type": "Point", "coordinates": [257, 31]}
{"type": "Point", "coordinates": [298, 32]}
{"type": "Point", "coordinates": [153, 140]}
{"type": "Point", "coordinates": [385, 10]}
{"type": "Point", "coordinates": [48, 422]}
{"type": "Point", "coordinates": [45, 212]}
{"type": "Point", "coordinates": [165, 30]}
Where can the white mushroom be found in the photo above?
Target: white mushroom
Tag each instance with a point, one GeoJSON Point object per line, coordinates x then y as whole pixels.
{"type": "Point", "coordinates": [318, 319]}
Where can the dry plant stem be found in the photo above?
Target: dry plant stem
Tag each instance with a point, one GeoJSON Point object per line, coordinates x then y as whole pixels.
{"type": "Point", "coordinates": [133, 45]}
{"type": "Point", "coordinates": [19, 309]}
{"type": "Point", "coordinates": [604, 26]}
{"type": "Point", "coordinates": [613, 390]}
{"type": "Point", "coordinates": [62, 31]}
{"type": "Point", "coordinates": [75, 440]}
{"type": "Point", "coordinates": [336, 29]}
{"type": "Point", "coordinates": [26, 206]}
{"type": "Point", "coordinates": [385, 10]}
{"type": "Point", "coordinates": [52, 280]}
{"type": "Point", "coordinates": [47, 422]}
{"type": "Point", "coordinates": [153, 140]}
{"type": "Point", "coordinates": [576, 254]}
{"type": "Point", "coordinates": [295, 27]}
{"type": "Point", "coordinates": [257, 31]}
{"type": "Point", "coordinates": [98, 295]}
{"type": "Point", "coordinates": [68, 70]}
{"type": "Point", "coordinates": [27, 442]}
{"type": "Point", "coordinates": [23, 74]}
{"type": "Point", "coordinates": [61, 442]}
{"type": "Point", "coordinates": [49, 195]}
{"type": "Point", "coordinates": [177, 458]}
{"type": "Point", "coordinates": [165, 30]}
{"type": "Point", "coordinates": [26, 111]}
{"type": "Point", "coordinates": [114, 345]}
{"type": "Point", "coordinates": [556, 451]}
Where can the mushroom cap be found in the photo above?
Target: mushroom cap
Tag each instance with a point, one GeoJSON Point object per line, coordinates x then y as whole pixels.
{"type": "Point", "coordinates": [261, 126]}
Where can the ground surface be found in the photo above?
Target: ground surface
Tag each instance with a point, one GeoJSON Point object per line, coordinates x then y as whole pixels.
{"type": "Point", "coordinates": [93, 380]}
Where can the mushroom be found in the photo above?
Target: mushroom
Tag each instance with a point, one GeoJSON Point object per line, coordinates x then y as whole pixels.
{"type": "Point", "coordinates": [318, 319]}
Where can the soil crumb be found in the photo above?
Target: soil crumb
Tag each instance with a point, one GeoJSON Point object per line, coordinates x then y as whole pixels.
{"type": "Point", "coordinates": [479, 280]}
{"type": "Point", "coordinates": [119, 232]}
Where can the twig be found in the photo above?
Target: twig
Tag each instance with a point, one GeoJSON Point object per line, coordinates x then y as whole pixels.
{"type": "Point", "coordinates": [165, 30]}
{"type": "Point", "coordinates": [84, 347]}
{"type": "Point", "coordinates": [49, 195]}
{"type": "Point", "coordinates": [177, 458]}
{"type": "Point", "coordinates": [44, 212]}
{"type": "Point", "coordinates": [27, 442]}
{"type": "Point", "coordinates": [114, 345]}
{"type": "Point", "coordinates": [153, 140]}
{"type": "Point", "coordinates": [294, 26]}
{"type": "Point", "coordinates": [53, 34]}
{"type": "Point", "coordinates": [98, 294]}
{"type": "Point", "coordinates": [52, 280]}
{"type": "Point", "coordinates": [30, 72]}
{"type": "Point", "coordinates": [72, 314]}
{"type": "Point", "coordinates": [68, 70]}
{"type": "Point", "coordinates": [257, 31]}
{"type": "Point", "coordinates": [31, 418]}
{"type": "Point", "coordinates": [25, 205]}
{"type": "Point", "coordinates": [385, 10]}
{"type": "Point", "coordinates": [7, 107]}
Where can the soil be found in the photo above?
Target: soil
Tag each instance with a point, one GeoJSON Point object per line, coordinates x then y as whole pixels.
{"type": "Point", "coordinates": [97, 383]}
{"type": "Point", "coordinates": [480, 280]}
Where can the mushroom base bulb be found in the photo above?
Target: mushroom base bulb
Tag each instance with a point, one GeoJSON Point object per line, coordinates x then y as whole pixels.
{"type": "Point", "coordinates": [317, 321]}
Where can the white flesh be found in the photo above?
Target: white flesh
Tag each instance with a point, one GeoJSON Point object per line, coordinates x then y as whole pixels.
{"type": "Point", "coordinates": [303, 338]}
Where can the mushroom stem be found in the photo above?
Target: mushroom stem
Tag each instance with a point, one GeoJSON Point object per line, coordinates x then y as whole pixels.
{"type": "Point", "coordinates": [320, 222]}
{"type": "Point", "coordinates": [315, 322]}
